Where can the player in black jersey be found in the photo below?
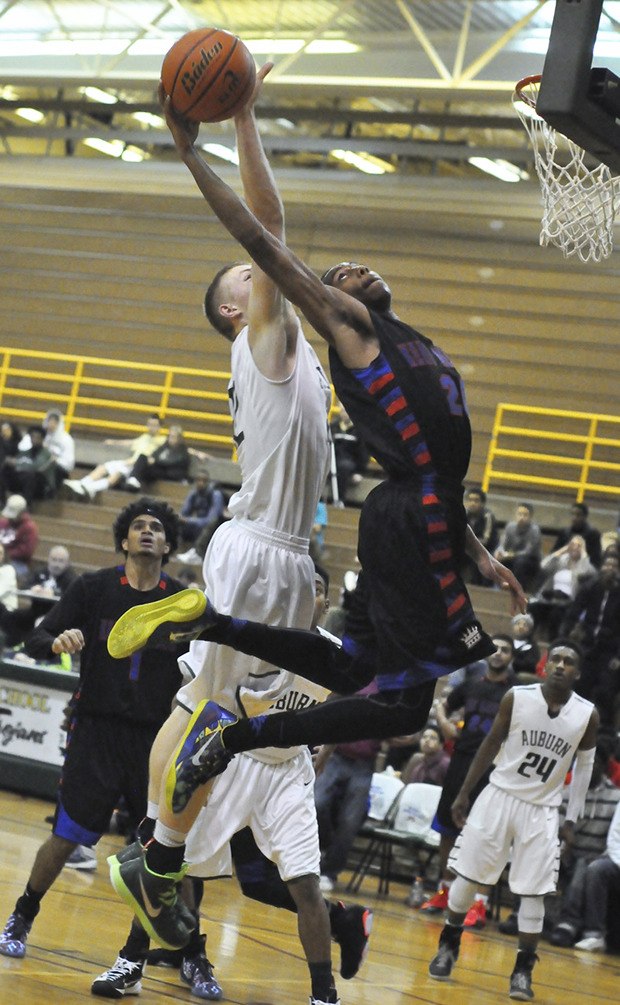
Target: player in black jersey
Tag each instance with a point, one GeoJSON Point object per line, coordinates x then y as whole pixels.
{"type": "Point", "coordinates": [116, 709]}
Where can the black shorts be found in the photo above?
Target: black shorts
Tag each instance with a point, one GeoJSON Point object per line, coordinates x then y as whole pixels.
{"type": "Point", "coordinates": [410, 603]}
{"type": "Point", "coordinates": [455, 776]}
{"type": "Point", "coordinates": [105, 759]}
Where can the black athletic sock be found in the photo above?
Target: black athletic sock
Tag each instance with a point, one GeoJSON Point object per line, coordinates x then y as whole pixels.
{"type": "Point", "coordinates": [340, 721]}
{"type": "Point", "coordinates": [196, 944]}
{"type": "Point", "coordinates": [303, 652]}
{"type": "Point", "coordinates": [137, 945]}
{"type": "Point", "coordinates": [321, 979]}
{"type": "Point", "coordinates": [29, 904]}
{"type": "Point", "coordinates": [162, 859]}
{"type": "Point", "coordinates": [145, 830]}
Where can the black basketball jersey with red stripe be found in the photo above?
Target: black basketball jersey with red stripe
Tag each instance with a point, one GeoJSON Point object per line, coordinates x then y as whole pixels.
{"type": "Point", "coordinates": [139, 688]}
{"type": "Point", "coordinates": [408, 406]}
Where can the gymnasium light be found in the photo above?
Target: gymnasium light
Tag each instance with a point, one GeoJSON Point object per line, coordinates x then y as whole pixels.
{"type": "Point", "coordinates": [148, 119]}
{"type": "Point", "coordinates": [113, 148]}
{"type": "Point", "coordinates": [31, 114]}
{"type": "Point", "coordinates": [219, 150]}
{"type": "Point", "coordinates": [286, 46]}
{"type": "Point", "coordinates": [537, 43]}
{"type": "Point", "coordinates": [96, 94]}
{"type": "Point", "coordinates": [363, 162]}
{"type": "Point", "coordinates": [501, 169]}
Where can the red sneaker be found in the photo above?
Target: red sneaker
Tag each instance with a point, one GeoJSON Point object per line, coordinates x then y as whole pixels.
{"type": "Point", "coordinates": [476, 917]}
{"type": "Point", "coordinates": [437, 903]}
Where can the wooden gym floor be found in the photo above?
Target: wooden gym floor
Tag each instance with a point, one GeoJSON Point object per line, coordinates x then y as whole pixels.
{"type": "Point", "coordinates": [258, 959]}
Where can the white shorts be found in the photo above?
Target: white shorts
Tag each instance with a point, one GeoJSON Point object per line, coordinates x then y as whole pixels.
{"type": "Point", "coordinates": [502, 828]}
{"type": "Point", "coordinates": [276, 801]}
{"type": "Point", "coordinates": [118, 467]}
{"type": "Point", "coordinates": [256, 573]}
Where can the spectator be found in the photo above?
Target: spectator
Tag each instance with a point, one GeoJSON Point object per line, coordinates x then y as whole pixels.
{"type": "Point", "coordinates": [583, 845]}
{"type": "Point", "coordinates": [484, 525]}
{"type": "Point", "coordinates": [351, 453]}
{"type": "Point", "coordinates": [430, 763]}
{"type": "Point", "coordinates": [579, 525]}
{"type": "Point", "coordinates": [60, 445]}
{"type": "Point", "coordinates": [19, 534]}
{"type": "Point", "coordinates": [519, 547]}
{"type": "Point", "coordinates": [594, 616]}
{"type": "Point", "coordinates": [10, 438]}
{"type": "Point", "coordinates": [111, 473]}
{"type": "Point", "coordinates": [479, 701]}
{"type": "Point", "coordinates": [8, 593]}
{"type": "Point", "coordinates": [601, 883]}
{"type": "Point", "coordinates": [48, 584]}
{"type": "Point", "coordinates": [334, 622]}
{"type": "Point", "coordinates": [565, 571]}
{"type": "Point", "coordinates": [526, 651]}
{"type": "Point", "coordinates": [201, 514]}
{"type": "Point", "coordinates": [31, 471]}
{"type": "Point", "coordinates": [317, 534]}
{"type": "Point", "coordinates": [169, 461]}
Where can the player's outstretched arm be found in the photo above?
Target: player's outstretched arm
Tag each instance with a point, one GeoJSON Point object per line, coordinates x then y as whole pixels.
{"type": "Point", "coordinates": [491, 568]}
{"type": "Point", "coordinates": [485, 755]}
{"type": "Point", "coordinates": [329, 311]}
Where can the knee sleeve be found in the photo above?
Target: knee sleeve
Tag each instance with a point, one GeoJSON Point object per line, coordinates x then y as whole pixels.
{"type": "Point", "coordinates": [461, 895]}
{"type": "Point", "coordinates": [531, 915]}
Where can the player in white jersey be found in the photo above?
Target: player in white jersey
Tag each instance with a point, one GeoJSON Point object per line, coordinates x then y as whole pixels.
{"type": "Point", "coordinates": [258, 563]}
{"type": "Point", "coordinates": [540, 731]}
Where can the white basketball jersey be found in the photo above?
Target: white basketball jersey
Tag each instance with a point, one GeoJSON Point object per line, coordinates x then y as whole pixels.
{"type": "Point", "coordinates": [539, 749]}
{"type": "Point", "coordinates": [282, 438]}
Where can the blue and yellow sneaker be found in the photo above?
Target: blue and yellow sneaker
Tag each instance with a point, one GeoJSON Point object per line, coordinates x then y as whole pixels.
{"type": "Point", "coordinates": [139, 626]}
{"type": "Point", "coordinates": [200, 755]}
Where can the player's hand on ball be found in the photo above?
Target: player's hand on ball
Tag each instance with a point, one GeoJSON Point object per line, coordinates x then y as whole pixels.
{"type": "Point", "coordinates": [184, 132]}
{"type": "Point", "coordinates": [71, 641]}
{"type": "Point", "coordinates": [260, 76]}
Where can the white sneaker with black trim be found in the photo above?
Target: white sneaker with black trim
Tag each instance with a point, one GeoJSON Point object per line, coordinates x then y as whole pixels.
{"type": "Point", "coordinates": [124, 978]}
{"type": "Point", "coordinates": [82, 858]}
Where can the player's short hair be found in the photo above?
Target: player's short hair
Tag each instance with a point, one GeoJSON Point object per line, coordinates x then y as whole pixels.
{"type": "Point", "coordinates": [212, 302]}
{"type": "Point", "coordinates": [563, 642]}
{"type": "Point", "coordinates": [505, 638]}
{"type": "Point", "coordinates": [154, 507]}
{"type": "Point", "coordinates": [324, 574]}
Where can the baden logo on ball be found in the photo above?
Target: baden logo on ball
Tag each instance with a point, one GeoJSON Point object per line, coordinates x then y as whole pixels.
{"type": "Point", "coordinates": [209, 74]}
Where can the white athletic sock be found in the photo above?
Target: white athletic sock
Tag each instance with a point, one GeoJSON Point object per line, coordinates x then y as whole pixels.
{"type": "Point", "coordinates": [152, 810]}
{"type": "Point", "coordinates": [166, 836]}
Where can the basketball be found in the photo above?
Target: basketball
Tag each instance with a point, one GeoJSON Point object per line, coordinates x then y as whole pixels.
{"type": "Point", "coordinates": [208, 74]}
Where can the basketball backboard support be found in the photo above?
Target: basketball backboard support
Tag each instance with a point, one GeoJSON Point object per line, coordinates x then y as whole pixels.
{"type": "Point", "coordinates": [578, 100]}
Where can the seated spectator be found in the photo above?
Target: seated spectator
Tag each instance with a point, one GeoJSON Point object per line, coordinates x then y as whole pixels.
{"type": "Point", "coordinates": [519, 547]}
{"type": "Point", "coordinates": [579, 525]}
{"type": "Point", "coordinates": [48, 584]}
{"type": "Point", "coordinates": [19, 534]}
{"type": "Point", "coordinates": [317, 534]}
{"type": "Point", "coordinates": [526, 653]}
{"type": "Point", "coordinates": [60, 445]}
{"type": "Point", "coordinates": [431, 762]}
{"type": "Point", "coordinates": [586, 843]}
{"type": "Point", "coordinates": [111, 473]}
{"type": "Point", "coordinates": [602, 891]}
{"type": "Point", "coordinates": [202, 512]}
{"type": "Point", "coordinates": [593, 618]}
{"type": "Point", "coordinates": [10, 438]}
{"type": "Point", "coordinates": [8, 592]}
{"type": "Point", "coordinates": [351, 453]}
{"type": "Point", "coordinates": [484, 525]}
{"type": "Point", "coordinates": [31, 471]}
{"type": "Point", "coordinates": [565, 571]}
{"type": "Point", "coordinates": [170, 461]}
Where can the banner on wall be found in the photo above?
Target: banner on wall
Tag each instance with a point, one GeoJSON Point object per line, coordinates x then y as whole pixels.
{"type": "Point", "coordinates": [31, 719]}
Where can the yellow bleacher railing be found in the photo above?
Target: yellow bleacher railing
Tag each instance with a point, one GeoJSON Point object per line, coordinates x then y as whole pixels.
{"type": "Point", "coordinates": [114, 396]}
{"type": "Point", "coordinates": [583, 450]}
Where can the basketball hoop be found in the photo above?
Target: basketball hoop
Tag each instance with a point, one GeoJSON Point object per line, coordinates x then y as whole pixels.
{"type": "Point", "coordinates": [579, 204]}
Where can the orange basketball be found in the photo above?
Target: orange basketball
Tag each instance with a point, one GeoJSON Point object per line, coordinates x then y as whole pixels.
{"type": "Point", "coordinates": [208, 74]}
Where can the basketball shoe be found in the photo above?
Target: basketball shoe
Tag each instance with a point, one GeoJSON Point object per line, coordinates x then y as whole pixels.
{"type": "Point", "coordinates": [332, 999]}
{"type": "Point", "coordinates": [441, 965]}
{"type": "Point", "coordinates": [123, 978]}
{"type": "Point", "coordinates": [200, 755]}
{"type": "Point", "coordinates": [352, 927]}
{"type": "Point", "coordinates": [154, 899]}
{"type": "Point", "coordinates": [151, 623]}
{"type": "Point", "coordinates": [197, 971]}
{"type": "Point", "coordinates": [476, 917]}
{"type": "Point", "coordinates": [437, 903]}
{"type": "Point", "coordinates": [13, 938]}
{"type": "Point", "coordinates": [521, 977]}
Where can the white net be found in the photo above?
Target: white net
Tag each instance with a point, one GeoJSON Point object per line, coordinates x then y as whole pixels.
{"type": "Point", "coordinates": [579, 203]}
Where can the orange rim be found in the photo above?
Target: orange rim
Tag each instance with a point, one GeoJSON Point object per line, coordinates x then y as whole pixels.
{"type": "Point", "coordinates": [520, 93]}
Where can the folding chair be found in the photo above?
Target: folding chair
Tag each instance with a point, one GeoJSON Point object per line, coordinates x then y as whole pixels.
{"type": "Point", "coordinates": [407, 825]}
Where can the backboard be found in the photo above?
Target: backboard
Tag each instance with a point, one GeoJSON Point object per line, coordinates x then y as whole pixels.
{"type": "Point", "coordinates": [578, 100]}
